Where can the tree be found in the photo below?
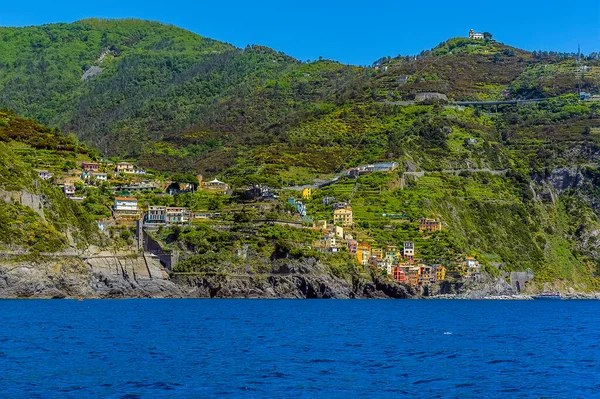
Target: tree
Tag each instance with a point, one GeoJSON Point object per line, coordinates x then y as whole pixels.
{"type": "Point", "coordinates": [487, 35]}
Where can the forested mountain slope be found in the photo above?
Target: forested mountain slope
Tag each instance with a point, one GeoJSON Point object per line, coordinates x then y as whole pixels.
{"type": "Point", "coordinates": [178, 102]}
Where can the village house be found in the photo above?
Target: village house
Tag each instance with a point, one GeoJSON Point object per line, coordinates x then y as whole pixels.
{"type": "Point", "coordinates": [426, 224]}
{"type": "Point", "coordinates": [381, 264]}
{"type": "Point", "coordinates": [385, 167]}
{"type": "Point", "coordinates": [320, 224]}
{"type": "Point", "coordinates": [377, 167]}
{"type": "Point", "coordinates": [392, 254]}
{"type": "Point", "coordinates": [216, 185]}
{"type": "Point", "coordinates": [377, 253]}
{"type": "Point", "coordinates": [69, 190]}
{"type": "Point", "coordinates": [175, 215]}
{"type": "Point", "coordinates": [412, 275]}
{"type": "Point", "coordinates": [90, 166]}
{"type": "Point", "coordinates": [339, 231]}
{"type": "Point", "coordinates": [408, 251]}
{"type": "Point", "coordinates": [398, 274]}
{"type": "Point", "coordinates": [307, 193]}
{"type": "Point", "coordinates": [343, 217]}
{"type": "Point", "coordinates": [44, 174]}
{"type": "Point", "coordinates": [255, 191]}
{"type": "Point", "coordinates": [339, 205]}
{"type": "Point", "coordinates": [440, 272]}
{"type": "Point", "coordinates": [124, 167]}
{"type": "Point", "coordinates": [471, 266]}
{"type": "Point", "coordinates": [126, 206]}
{"type": "Point", "coordinates": [363, 253]}
{"type": "Point", "coordinates": [352, 246]}
{"type": "Point", "coordinates": [99, 176]}
{"type": "Point", "coordinates": [425, 275]}
{"type": "Point", "coordinates": [156, 214]}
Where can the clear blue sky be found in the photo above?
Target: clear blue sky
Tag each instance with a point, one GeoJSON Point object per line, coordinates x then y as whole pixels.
{"type": "Point", "coordinates": [354, 32]}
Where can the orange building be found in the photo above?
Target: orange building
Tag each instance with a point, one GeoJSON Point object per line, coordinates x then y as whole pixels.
{"type": "Point", "coordinates": [426, 224]}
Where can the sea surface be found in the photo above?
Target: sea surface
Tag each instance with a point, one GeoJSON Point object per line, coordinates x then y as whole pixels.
{"type": "Point", "coordinates": [180, 348]}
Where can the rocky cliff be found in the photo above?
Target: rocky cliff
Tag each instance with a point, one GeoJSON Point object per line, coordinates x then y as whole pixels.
{"type": "Point", "coordinates": [121, 276]}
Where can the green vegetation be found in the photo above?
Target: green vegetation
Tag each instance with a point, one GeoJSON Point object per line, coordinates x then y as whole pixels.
{"type": "Point", "coordinates": [181, 105]}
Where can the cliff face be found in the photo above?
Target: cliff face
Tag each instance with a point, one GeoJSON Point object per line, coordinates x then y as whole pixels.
{"type": "Point", "coordinates": [292, 286]}
{"type": "Point", "coordinates": [106, 277]}
{"type": "Point", "coordinates": [138, 277]}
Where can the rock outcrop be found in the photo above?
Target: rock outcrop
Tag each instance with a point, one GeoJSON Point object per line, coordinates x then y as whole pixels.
{"type": "Point", "coordinates": [130, 276]}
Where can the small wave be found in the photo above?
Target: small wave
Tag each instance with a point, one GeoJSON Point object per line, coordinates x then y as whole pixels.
{"type": "Point", "coordinates": [500, 361]}
{"type": "Point", "coordinates": [427, 381]}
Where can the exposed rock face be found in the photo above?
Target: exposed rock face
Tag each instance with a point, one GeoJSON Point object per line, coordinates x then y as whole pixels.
{"type": "Point", "coordinates": [25, 198]}
{"type": "Point", "coordinates": [72, 277]}
{"type": "Point", "coordinates": [90, 73]}
{"type": "Point", "coordinates": [292, 279]}
{"type": "Point", "coordinates": [563, 179]}
{"type": "Point", "coordinates": [127, 276]}
{"type": "Point", "coordinates": [431, 97]}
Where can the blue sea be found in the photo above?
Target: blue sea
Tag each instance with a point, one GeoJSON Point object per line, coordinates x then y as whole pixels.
{"type": "Point", "coordinates": [180, 348]}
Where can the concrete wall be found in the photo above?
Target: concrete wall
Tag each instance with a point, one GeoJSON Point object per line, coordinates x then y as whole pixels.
{"type": "Point", "coordinates": [519, 280]}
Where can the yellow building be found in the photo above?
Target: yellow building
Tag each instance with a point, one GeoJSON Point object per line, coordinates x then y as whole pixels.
{"type": "Point", "coordinates": [363, 253]}
{"type": "Point", "coordinates": [343, 217]}
{"type": "Point", "coordinates": [307, 193]}
{"type": "Point", "coordinates": [377, 253]}
{"type": "Point", "coordinates": [440, 273]}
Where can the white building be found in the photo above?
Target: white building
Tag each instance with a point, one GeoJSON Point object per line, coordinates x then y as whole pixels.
{"type": "Point", "coordinates": [409, 250]}
{"type": "Point", "coordinates": [100, 176]}
{"type": "Point", "coordinates": [44, 174]}
{"type": "Point", "coordinates": [126, 206]}
{"type": "Point", "coordinates": [475, 35]}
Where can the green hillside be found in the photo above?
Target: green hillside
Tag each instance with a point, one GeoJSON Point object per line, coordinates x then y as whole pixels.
{"type": "Point", "coordinates": [34, 214]}
{"type": "Point", "coordinates": [514, 184]}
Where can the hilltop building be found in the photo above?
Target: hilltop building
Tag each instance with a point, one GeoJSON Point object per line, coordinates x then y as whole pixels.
{"type": "Point", "coordinates": [475, 35]}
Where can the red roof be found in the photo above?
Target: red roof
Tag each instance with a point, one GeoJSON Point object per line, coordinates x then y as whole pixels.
{"type": "Point", "coordinates": [125, 199]}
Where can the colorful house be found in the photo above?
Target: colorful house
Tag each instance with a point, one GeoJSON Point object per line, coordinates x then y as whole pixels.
{"type": "Point", "coordinates": [440, 273]}
{"type": "Point", "coordinates": [426, 224]}
{"type": "Point", "coordinates": [124, 167]}
{"type": "Point", "coordinates": [307, 193]}
{"type": "Point", "coordinates": [377, 253]}
{"type": "Point", "coordinates": [343, 217]}
{"type": "Point", "coordinates": [425, 275]}
{"type": "Point", "coordinates": [408, 250]}
{"type": "Point", "coordinates": [363, 253]}
{"type": "Point", "coordinates": [398, 274]}
{"type": "Point", "coordinates": [412, 275]}
{"type": "Point", "coordinates": [90, 166]}
{"type": "Point", "coordinates": [352, 246]}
